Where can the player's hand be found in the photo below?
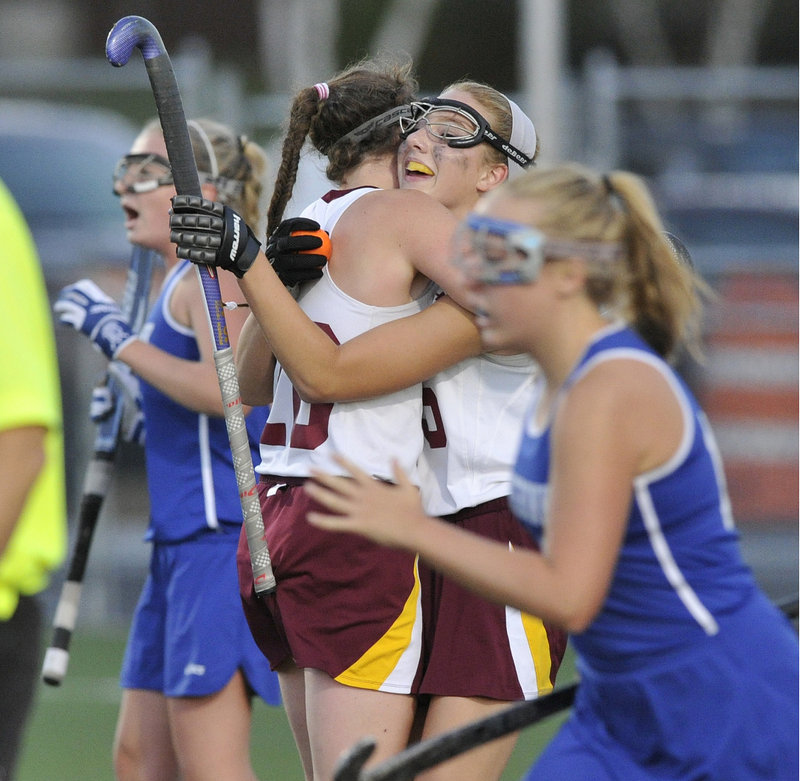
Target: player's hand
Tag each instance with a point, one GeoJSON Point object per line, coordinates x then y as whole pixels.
{"type": "Point", "coordinates": [211, 234]}
{"type": "Point", "coordinates": [86, 308]}
{"type": "Point", "coordinates": [120, 387]}
{"type": "Point", "coordinates": [359, 503]}
{"type": "Point", "coordinates": [293, 255]}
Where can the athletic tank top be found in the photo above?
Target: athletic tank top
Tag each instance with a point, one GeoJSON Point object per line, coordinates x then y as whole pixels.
{"type": "Point", "coordinates": [371, 432]}
{"type": "Point", "coordinates": [190, 473]}
{"type": "Point", "coordinates": [679, 569]}
{"type": "Point", "coordinates": [472, 415]}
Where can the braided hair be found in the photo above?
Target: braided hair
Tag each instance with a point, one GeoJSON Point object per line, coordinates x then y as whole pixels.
{"type": "Point", "coordinates": [325, 116]}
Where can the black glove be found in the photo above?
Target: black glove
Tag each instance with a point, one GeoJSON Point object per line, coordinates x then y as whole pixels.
{"type": "Point", "coordinates": [292, 256]}
{"type": "Point", "coordinates": [211, 234]}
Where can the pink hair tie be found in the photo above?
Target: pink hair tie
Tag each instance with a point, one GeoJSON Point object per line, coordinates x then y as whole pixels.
{"type": "Point", "coordinates": [323, 90]}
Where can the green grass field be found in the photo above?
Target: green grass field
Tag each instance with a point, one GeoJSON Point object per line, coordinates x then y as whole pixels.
{"type": "Point", "coordinates": [71, 729]}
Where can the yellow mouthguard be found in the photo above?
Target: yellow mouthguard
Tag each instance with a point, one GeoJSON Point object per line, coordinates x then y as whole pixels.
{"type": "Point", "coordinates": [419, 168]}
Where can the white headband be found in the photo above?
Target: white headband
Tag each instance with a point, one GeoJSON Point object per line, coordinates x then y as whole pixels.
{"type": "Point", "coordinates": [212, 156]}
{"type": "Point", "coordinates": [523, 135]}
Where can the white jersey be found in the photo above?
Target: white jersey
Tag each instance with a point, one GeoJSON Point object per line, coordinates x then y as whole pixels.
{"type": "Point", "coordinates": [371, 432]}
{"type": "Point", "coordinates": [473, 415]}
{"type": "Point", "coordinates": [330, 207]}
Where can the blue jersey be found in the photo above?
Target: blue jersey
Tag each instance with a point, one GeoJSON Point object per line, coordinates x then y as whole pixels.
{"type": "Point", "coordinates": [687, 671]}
{"type": "Point", "coordinates": [190, 473]}
{"type": "Point", "coordinates": [679, 571]}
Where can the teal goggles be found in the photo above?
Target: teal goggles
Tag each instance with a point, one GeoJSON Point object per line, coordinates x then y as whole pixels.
{"type": "Point", "coordinates": [502, 252]}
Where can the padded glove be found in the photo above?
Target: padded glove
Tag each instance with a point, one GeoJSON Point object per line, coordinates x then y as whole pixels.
{"type": "Point", "coordinates": [211, 234]}
{"type": "Point", "coordinates": [85, 307]}
{"type": "Point", "coordinates": [292, 255]}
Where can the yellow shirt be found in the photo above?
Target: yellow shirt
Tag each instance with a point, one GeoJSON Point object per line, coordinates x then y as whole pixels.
{"type": "Point", "coordinates": [30, 394]}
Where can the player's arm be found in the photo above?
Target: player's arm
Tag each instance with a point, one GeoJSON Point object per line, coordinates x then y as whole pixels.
{"type": "Point", "coordinates": [192, 383]}
{"type": "Point", "coordinates": [319, 369]}
{"type": "Point", "coordinates": [432, 249]}
{"type": "Point", "coordinates": [620, 420]}
{"type": "Point", "coordinates": [422, 226]}
{"type": "Point", "coordinates": [189, 383]}
{"type": "Point", "coordinates": [382, 360]}
{"type": "Point", "coordinates": [360, 504]}
{"type": "Point", "coordinates": [402, 352]}
{"type": "Point", "coordinates": [390, 357]}
{"type": "Point", "coordinates": [255, 364]}
{"type": "Point", "coordinates": [22, 457]}
{"type": "Point", "coordinates": [598, 446]}
{"type": "Point", "coordinates": [86, 308]}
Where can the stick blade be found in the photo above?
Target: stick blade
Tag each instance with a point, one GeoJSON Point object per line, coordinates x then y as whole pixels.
{"type": "Point", "coordinates": [129, 33]}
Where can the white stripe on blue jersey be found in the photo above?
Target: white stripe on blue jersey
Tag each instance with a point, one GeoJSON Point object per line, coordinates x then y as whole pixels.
{"type": "Point", "coordinates": [663, 593]}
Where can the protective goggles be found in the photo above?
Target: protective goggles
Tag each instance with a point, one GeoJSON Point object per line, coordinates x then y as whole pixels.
{"type": "Point", "coordinates": [141, 173]}
{"type": "Point", "coordinates": [501, 252]}
{"type": "Point", "coordinates": [458, 125]}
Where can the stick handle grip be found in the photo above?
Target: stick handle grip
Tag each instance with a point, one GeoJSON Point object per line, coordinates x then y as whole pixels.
{"type": "Point", "coordinates": [56, 658]}
{"type": "Point", "coordinates": [263, 578]}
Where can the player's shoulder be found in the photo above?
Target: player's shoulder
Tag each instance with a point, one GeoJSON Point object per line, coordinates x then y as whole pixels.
{"type": "Point", "coordinates": [402, 202]}
{"type": "Point", "coordinates": [621, 385]}
{"type": "Point", "coordinates": [612, 370]}
{"type": "Point", "coordinates": [388, 214]}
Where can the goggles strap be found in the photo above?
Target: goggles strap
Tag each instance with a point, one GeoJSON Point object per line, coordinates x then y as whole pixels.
{"type": "Point", "coordinates": [396, 114]}
{"type": "Point", "coordinates": [511, 152]}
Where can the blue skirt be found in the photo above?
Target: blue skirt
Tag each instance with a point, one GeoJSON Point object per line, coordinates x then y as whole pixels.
{"type": "Point", "coordinates": [189, 633]}
{"type": "Point", "coordinates": [723, 710]}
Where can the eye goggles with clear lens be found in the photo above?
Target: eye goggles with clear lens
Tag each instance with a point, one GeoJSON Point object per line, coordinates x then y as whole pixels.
{"type": "Point", "coordinates": [501, 252]}
{"type": "Point", "coordinates": [498, 252]}
{"type": "Point", "coordinates": [141, 173]}
{"type": "Point", "coordinates": [458, 125]}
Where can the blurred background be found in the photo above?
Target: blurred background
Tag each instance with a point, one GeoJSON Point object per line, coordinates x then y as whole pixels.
{"type": "Point", "coordinates": [701, 98]}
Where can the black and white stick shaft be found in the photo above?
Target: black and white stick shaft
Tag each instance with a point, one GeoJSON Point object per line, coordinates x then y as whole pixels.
{"type": "Point", "coordinates": [96, 482]}
{"type": "Point", "coordinates": [135, 32]}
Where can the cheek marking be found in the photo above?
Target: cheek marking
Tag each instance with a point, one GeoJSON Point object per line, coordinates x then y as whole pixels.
{"type": "Point", "coordinates": [446, 154]}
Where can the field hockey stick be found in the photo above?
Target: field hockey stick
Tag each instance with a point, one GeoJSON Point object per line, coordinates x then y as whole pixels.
{"type": "Point", "coordinates": [421, 756]}
{"type": "Point", "coordinates": [97, 479]}
{"type": "Point", "coordinates": [135, 32]}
